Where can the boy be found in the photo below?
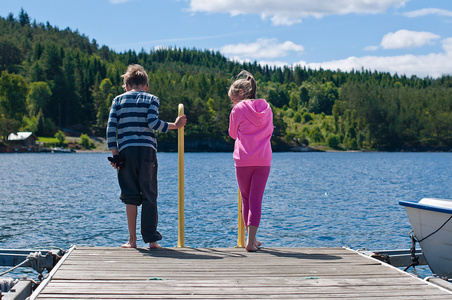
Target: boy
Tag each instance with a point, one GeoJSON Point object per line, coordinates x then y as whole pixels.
{"type": "Point", "coordinates": [131, 139]}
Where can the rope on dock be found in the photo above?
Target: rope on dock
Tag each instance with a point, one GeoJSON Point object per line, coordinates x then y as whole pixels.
{"type": "Point", "coordinates": [36, 261]}
{"type": "Point", "coordinates": [15, 267]}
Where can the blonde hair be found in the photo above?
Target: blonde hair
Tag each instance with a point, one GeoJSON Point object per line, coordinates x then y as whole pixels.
{"type": "Point", "coordinates": [243, 88]}
{"type": "Point", "coordinates": [134, 76]}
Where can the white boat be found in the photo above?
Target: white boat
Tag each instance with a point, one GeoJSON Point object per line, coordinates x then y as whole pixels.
{"type": "Point", "coordinates": [62, 150]}
{"type": "Point", "coordinates": [431, 221]}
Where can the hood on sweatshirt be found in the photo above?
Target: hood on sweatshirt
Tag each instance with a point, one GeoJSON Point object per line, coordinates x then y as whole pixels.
{"type": "Point", "coordinates": [257, 111]}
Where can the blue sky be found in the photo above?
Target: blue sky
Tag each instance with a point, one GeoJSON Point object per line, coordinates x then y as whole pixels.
{"type": "Point", "coordinates": [411, 37]}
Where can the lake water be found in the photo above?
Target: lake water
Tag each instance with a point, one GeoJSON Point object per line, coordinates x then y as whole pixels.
{"type": "Point", "coordinates": [311, 199]}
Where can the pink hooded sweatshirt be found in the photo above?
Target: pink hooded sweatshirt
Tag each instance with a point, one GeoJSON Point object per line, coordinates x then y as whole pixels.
{"type": "Point", "coordinates": [251, 126]}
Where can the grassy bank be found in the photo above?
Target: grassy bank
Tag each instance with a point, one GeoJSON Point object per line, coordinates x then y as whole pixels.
{"type": "Point", "coordinates": [75, 143]}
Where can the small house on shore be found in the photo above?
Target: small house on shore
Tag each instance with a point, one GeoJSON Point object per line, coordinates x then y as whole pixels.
{"type": "Point", "coordinates": [23, 141]}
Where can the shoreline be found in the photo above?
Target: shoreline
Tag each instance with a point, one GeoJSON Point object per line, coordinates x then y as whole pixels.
{"type": "Point", "coordinates": [277, 151]}
{"type": "Point", "coordinates": [198, 145]}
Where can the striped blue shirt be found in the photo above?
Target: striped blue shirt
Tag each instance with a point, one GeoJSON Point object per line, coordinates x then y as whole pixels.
{"type": "Point", "coordinates": [133, 119]}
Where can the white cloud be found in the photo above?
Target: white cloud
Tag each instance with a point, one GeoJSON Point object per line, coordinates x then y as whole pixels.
{"type": "Point", "coordinates": [447, 46]}
{"type": "Point", "coordinates": [262, 48]}
{"type": "Point", "coordinates": [406, 39]}
{"type": "Point", "coordinates": [289, 12]}
{"type": "Point", "coordinates": [433, 64]}
{"type": "Point", "coordinates": [273, 63]}
{"type": "Point", "coordinates": [428, 11]}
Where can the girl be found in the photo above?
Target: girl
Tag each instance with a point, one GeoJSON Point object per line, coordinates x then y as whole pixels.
{"type": "Point", "coordinates": [251, 126]}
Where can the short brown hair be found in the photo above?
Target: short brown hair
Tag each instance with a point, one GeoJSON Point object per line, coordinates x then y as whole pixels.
{"type": "Point", "coordinates": [134, 76]}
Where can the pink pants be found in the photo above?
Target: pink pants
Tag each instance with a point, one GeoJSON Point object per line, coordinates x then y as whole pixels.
{"type": "Point", "coordinates": [252, 181]}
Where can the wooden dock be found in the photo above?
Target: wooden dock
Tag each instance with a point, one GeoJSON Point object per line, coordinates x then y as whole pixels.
{"type": "Point", "coordinates": [229, 273]}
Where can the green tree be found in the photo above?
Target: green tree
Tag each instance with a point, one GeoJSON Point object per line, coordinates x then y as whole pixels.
{"type": "Point", "coordinates": [279, 124]}
{"type": "Point", "coordinates": [333, 141]}
{"type": "Point", "coordinates": [10, 54]}
{"type": "Point", "coordinates": [351, 143]}
{"type": "Point", "coordinates": [36, 72]}
{"type": "Point", "coordinates": [304, 95]}
{"type": "Point", "coordinates": [104, 110]}
{"type": "Point", "coordinates": [8, 126]}
{"type": "Point", "coordinates": [24, 18]}
{"type": "Point", "coordinates": [323, 98]}
{"type": "Point", "coordinates": [29, 124]}
{"type": "Point", "coordinates": [273, 97]}
{"type": "Point", "coordinates": [13, 95]}
{"type": "Point", "coordinates": [56, 107]}
{"type": "Point", "coordinates": [70, 108]}
{"type": "Point", "coordinates": [46, 127]}
{"type": "Point", "coordinates": [316, 134]}
{"type": "Point", "coordinates": [103, 92]}
{"type": "Point", "coordinates": [338, 111]}
{"type": "Point", "coordinates": [294, 101]}
{"type": "Point", "coordinates": [85, 141]}
{"type": "Point", "coordinates": [278, 97]}
{"type": "Point", "coordinates": [38, 97]}
{"type": "Point", "coordinates": [306, 117]}
{"type": "Point", "coordinates": [61, 137]}
{"type": "Point", "coordinates": [103, 97]}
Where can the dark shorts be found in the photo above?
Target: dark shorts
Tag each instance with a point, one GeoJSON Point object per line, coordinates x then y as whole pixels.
{"type": "Point", "coordinates": [138, 179]}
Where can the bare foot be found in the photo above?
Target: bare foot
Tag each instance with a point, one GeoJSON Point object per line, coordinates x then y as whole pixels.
{"type": "Point", "coordinates": [154, 245]}
{"type": "Point", "coordinates": [129, 245]}
{"type": "Point", "coordinates": [257, 243]}
{"type": "Point", "coordinates": [251, 248]}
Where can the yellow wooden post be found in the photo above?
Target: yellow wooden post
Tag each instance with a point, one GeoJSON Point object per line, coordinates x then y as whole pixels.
{"type": "Point", "coordinates": [241, 227]}
{"type": "Point", "coordinates": [181, 226]}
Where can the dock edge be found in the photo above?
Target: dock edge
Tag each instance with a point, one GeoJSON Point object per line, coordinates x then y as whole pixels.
{"type": "Point", "coordinates": [399, 270]}
{"type": "Point", "coordinates": [49, 277]}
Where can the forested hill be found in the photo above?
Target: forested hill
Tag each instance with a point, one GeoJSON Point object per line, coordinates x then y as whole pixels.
{"type": "Point", "coordinates": [53, 79]}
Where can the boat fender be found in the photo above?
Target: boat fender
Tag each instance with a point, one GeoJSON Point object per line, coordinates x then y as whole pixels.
{"type": "Point", "coordinates": [6, 284]}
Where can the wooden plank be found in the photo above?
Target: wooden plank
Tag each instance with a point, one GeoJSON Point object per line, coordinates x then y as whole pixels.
{"type": "Point", "coordinates": [169, 288]}
{"type": "Point", "coordinates": [220, 273]}
{"type": "Point", "coordinates": [264, 281]}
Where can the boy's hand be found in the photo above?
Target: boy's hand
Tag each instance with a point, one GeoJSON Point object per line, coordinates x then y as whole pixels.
{"type": "Point", "coordinates": [181, 121]}
{"type": "Point", "coordinates": [117, 161]}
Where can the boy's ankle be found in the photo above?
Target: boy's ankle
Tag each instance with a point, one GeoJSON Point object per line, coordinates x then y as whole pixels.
{"type": "Point", "coordinates": [154, 245]}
